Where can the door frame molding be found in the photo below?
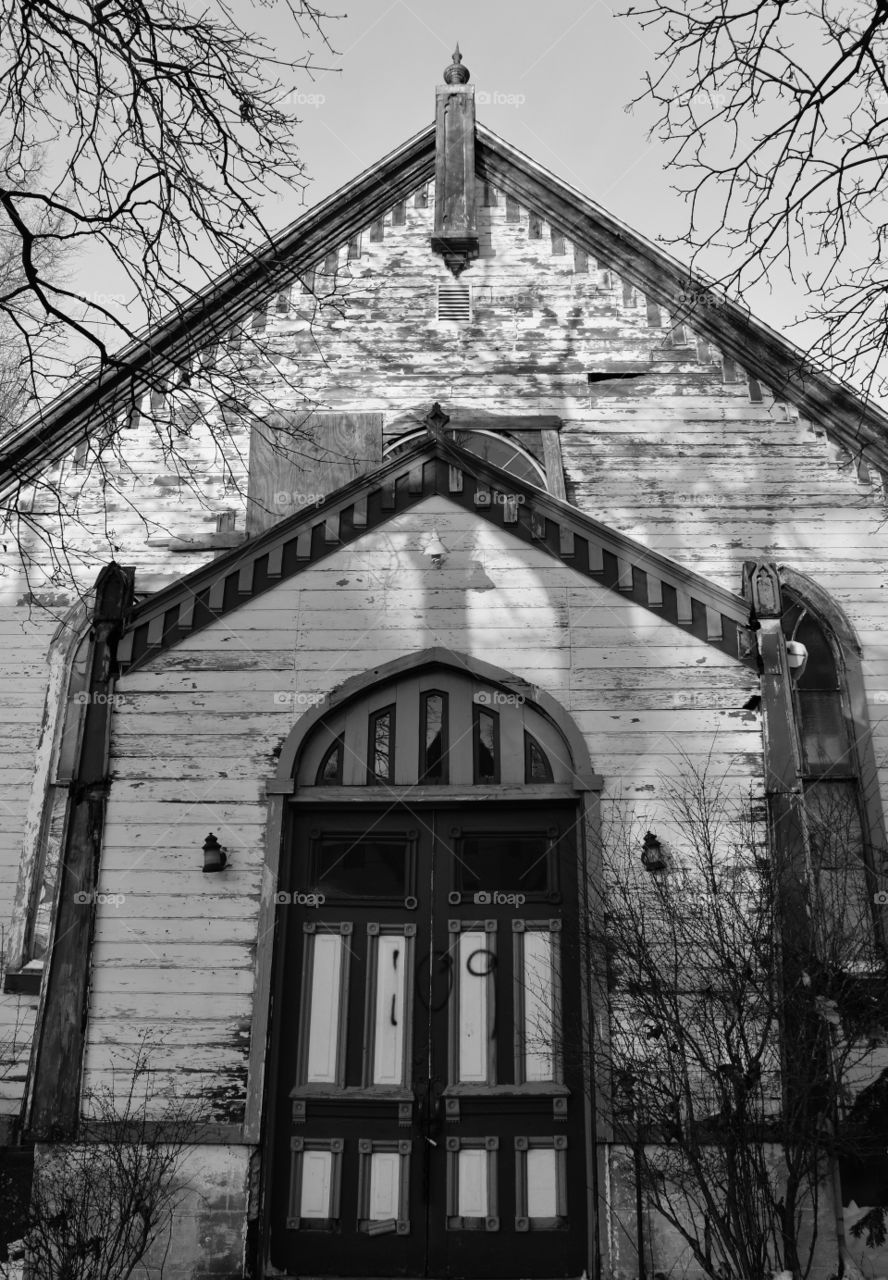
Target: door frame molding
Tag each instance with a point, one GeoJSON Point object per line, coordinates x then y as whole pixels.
{"type": "Point", "coordinates": [281, 788]}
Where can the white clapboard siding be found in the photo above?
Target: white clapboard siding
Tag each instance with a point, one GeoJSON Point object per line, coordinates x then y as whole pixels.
{"type": "Point", "coordinates": [690, 468]}
{"type": "Point", "coordinates": [118, 931]}
{"type": "Point", "coordinates": [115, 1034]}
{"type": "Point", "coordinates": [194, 733]}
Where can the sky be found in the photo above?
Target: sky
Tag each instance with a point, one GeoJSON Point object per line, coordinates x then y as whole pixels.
{"type": "Point", "coordinates": [555, 79]}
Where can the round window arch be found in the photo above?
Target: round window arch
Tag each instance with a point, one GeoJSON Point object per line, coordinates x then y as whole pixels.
{"type": "Point", "coordinates": [435, 727]}
{"type": "Point", "coordinates": [496, 447]}
{"type": "Point", "coordinates": [521, 703]}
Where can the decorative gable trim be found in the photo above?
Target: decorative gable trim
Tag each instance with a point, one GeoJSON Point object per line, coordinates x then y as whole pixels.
{"type": "Point", "coordinates": [92, 406]}
{"type": "Point", "coordinates": [439, 467]}
{"type": "Point", "coordinates": [765, 355]}
{"type": "Point", "coordinates": [155, 357]}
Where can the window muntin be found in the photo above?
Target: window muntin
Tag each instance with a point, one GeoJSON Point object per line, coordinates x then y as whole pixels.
{"type": "Point", "coordinates": [330, 769]}
{"type": "Point", "coordinates": [494, 447]}
{"type": "Point", "coordinates": [502, 452]}
{"type": "Point", "coordinates": [427, 730]}
{"type": "Point", "coordinates": [839, 865]}
{"type": "Point", "coordinates": [824, 733]}
{"type": "Point", "coordinates": [486, 745]}
{"type": "Point", "coordinates": [381, 749]}
{"type": "Point", "coordinates": [433, 736]}
{"type": "Point", "coordinates": [536, 762]}
{"type": "Point", "coordinates": [823, 726]}
{"type": "Point", "coordinates": [830, 772]}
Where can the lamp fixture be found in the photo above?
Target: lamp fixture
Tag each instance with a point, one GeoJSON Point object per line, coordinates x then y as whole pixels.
{"type": "Point", "coordinates": [796, 658]}
{"type": "Point", "coordinates": [652, 853]}
{"type": "Point", "coordinates": [215, 857]}
{"type": "Point", "coordinates": [436, 551]}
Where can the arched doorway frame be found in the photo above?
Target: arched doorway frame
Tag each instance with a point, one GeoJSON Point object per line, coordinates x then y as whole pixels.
{"type": "Point", "coordinates": [586, 787]}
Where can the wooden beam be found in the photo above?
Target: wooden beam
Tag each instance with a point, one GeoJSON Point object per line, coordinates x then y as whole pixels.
{"type": "Point", "coordinates": [61, 1019]}
{"type": "Point", "coordinates": [455, 234]}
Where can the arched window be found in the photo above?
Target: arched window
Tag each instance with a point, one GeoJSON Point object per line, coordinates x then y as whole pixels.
{"type": "Point", "coordinates": [842, 808]}
{"type": "Point", "coordinates": [437, 728]}
{"type": "Point", "coordinates": [497, 448]}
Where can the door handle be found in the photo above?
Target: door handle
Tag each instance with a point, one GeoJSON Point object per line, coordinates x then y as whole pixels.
{"type": "Point", "coordinates": [434, 1111]}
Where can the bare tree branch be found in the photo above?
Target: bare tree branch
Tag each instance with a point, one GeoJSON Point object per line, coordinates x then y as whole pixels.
{"type": "Point", "coordinates": [732, 1131]}
{"type": "Point", "coordinates": [776, 115]}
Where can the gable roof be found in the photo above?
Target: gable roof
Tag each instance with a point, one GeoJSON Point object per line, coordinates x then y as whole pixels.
{"type": "Point", "coordinates": [756, 348]}
{"type": "Point", "coordinates": [156, 357]}
{"type": "Point", "coordinates": [170, 347]}
{"type": "Point", "coordinates": [437, 466]}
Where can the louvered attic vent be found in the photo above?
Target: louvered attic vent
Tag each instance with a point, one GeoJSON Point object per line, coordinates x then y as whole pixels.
{"type": "Point", "coordinates": [455, 302]}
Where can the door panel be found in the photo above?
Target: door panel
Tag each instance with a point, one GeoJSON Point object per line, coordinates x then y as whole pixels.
{"type": "Point", "coordinates": [426, 1119]}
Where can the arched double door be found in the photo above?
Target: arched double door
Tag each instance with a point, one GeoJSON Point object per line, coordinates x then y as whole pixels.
{"type": "Point", "coordinates": [429, 1113]}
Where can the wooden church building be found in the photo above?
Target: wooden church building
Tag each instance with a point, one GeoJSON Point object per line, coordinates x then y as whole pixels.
{"type": "Point", "coordinates": [302, 774]}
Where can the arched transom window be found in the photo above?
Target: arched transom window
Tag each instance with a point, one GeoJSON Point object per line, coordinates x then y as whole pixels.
{"type": "Point", "coordinates": [437, 728]}
{"type": "Point", "coordinates": [497, 448]}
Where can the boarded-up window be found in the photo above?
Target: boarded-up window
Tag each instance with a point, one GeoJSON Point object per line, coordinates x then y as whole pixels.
{"type": "Point", "coordinates": [298, 459]}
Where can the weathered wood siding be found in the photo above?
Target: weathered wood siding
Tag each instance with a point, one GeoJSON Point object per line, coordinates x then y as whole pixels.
{"type": "Point", "coordinates": [25, 634]}
{"type": "Point", "coordinates": [680, 459]}
{"type": "Point", "coordinates": [195, 735]}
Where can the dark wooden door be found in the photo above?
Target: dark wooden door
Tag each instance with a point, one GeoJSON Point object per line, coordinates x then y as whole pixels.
{"type": "Point", "coordinates": [428, 1117]}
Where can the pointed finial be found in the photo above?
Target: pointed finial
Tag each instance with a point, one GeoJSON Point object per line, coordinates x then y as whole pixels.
{"type": "Point", "coordinates": [436, 420]}
{"type": "Point", "coordinates": [456, 73]}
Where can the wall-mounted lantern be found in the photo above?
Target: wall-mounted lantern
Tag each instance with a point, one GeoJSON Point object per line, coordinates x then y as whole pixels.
{"type": "Point", "coordinates": [215, 857]}
{"type": "Point", "coordinates": [796, 658]}
{"type": "Point", "coordinates": [436, 551]}
{"type": "Point", "coordinates": [652, 853]}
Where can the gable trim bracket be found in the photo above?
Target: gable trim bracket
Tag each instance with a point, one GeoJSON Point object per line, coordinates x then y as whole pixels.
{"type": "Point", "coordinates": [158, 355]}
{"type": "Point", "coordinates": [860, 426]}
{"type": "Point", "coordinates": [438, 467]}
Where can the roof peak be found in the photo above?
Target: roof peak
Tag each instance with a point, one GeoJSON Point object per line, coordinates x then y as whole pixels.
{"type": "Point", "coordinates": [402, 481]}
{"type": "Point", "coordinates": [456, 73]}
